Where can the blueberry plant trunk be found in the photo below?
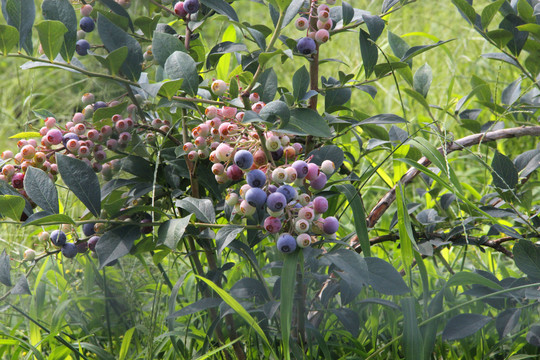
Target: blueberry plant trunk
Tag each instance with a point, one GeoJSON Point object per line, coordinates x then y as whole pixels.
{"type": "Point", "coordinates": [251, 186]}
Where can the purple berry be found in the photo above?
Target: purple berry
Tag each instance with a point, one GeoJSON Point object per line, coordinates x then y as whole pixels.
{"type": "Point", "coordinates": [92, 243]}
{"type": "Point", "coordinates": [301, 168]}
{"type": "Point", "coordinates": [272, 189]}
{"type": "Point", "coordinates": [256, 178]}
{"type": "Point", "coordinates": [306, 46]}
{"type": "Point", "coordinates": [58, 238]}
{"type": "Point", "coordinates": [286, 243]}
{"type": "Point", "coordinates": [82, 247]}
{"type": "Point", "coordinates": [256, 197]}
{"type": "Point", "coordinates": [81, 47]}
{"type": "Point", "coordinates": [319, 182]}
{"type": "Point", "coordinates": [235, 173]}
{"type": "Point", "coordinates": [87, 24]}
{"type": "Point", "coordinates": [289, 192]}
{"type": "Point", "coordinates": [320, 204]}
{"type": "Point", "coordinates": [276, 155]}
{"type": "Point", "coordinates": [243, 159]}
{"type": "Point", "coordinates": [272, 224]}
{"type": "Point", "coordinates": [276, 201]}
{"type": "Point", "coordinates": [330, 225]}
{"type": "Point", "coordinates": [69, 136]}
{"type": "Point", "coordinates": [99, 105]}
{"type": "Point", "coordinates": [69, 250]}
{"type": "Point", "coordinates": [191, 6]}
{"type": "Point", "coordinates": [18, 181]}
{"type": "Point", "coordinates": [88, 229]}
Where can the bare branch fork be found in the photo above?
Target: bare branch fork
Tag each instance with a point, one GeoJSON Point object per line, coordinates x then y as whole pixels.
{"type": "Point", "coordinates": [468, 141]}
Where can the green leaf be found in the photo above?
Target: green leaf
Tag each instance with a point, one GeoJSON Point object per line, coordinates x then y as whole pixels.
{"type": "Point", "coordinates": [355, 200]}
{"type": "Point", "coordinates": [114, 38]}
{"type": "Point", "coordinates": [172, 231]}
{"type": "Point", "coordinates": [221, 7]}
{"type": "Point", "coordinates": [182, 66]}
{"type": "Point", "coordinates": [51, 37]}
{"type": "Point", "coordinates": [466, 9]}
{"type": "Point", "coordinates": [347, 12]}
{"type": "Point", "coordinates": [384, 277]}
{"type": "Point", "coordinates": [464, 278]}
{"type": "Point", "coordinates": [5, 269]}
{"type": "Point", "coordinates": [165, 88]}
{"type": "Point", "coordinates": [406, 234]}
{"type": "Point", "coordinates": [226, 235]}
{"type": "Point", "coordinates": [505, 175]}
{"type": "Point", "coordinates": [119, 10]}
{"type": "Point", "coordinates": [269, 84]}
{"type": "Point", "coordinates": [274, 111]}
{"type": "Point", "coordinates": [506, 321]}
{"type": "Point", "coordinates": [202, 208]}
{"type": "Point", "coordinates": [292, 12]}
{"type": "Point", "coordinates": [500, 36]}
{"type": "Point", "coordinates": [114, 60]}
{"type": "Point", "coordinates": [147, 25]}
{"type": "Point", "coordinates": [46, 218]}
{"type": "Point", "coordinates": [197, 306]}
{"type": "Point", "coordinates": [9, 37]}
{"type": "Point", "coordinates": [374, 24]}
{"type": "Point", "coordinates": [300, 83]}
{"type": "Point", "coordinates": [239, 309]}
{"type": "Point", "coordinates": [308, 122]}
{"type": "Point", "coordinates": [41, 189]}
{"type": "Point", "coordinates": [418, 97]}
{"type": "Point", "coordinates": [329, 152]}
{"type": "Point", "coordinates": [12, 206]}
{"type": "Point", "coordinates": [502, 57]}
{"type": "Point", "coordinates": [21, 287]}
{"type": "Point", "coordinates": [63, 11]}
{"type": "Point", "coordinates": [163, 45]}
{"type": "Point", "coordinates": [489, 12]}
{"type": "Point", "coordinates": [82, 181]}
{"type": "Point", "coordinates": [527, 258]}
{"type": "Point", "coordinates": [116, 243]}
{"type": "Point", "coordinates": [417, 50]}
{"type": "Point", "coordinates": [222, 48]}
{"type": "Point", "coordinates": [369, 51]}
{"type": "Point", "coordinates": [383, 119]}
{"type": "Point", "coordinates": [463, 325]}
{"type": "Point", "coordinates": [398, 45]}
{"type": "Point", "coordinates": [288, 279]}
{"type": "Point", "coordinates": [126, 341]}
{"type": "Point", "coordinates": [388, 4]}
{"type": "Point", "coordinates": [354, 269]}
{"type": "Point", "coordinates": [21, 15]}
{"type": "Point", "coordinates": [422, 79]}
{"type": "Point", "coordinates": [412, 338]}
{"type": "Point", "coordinates": [108, 112]}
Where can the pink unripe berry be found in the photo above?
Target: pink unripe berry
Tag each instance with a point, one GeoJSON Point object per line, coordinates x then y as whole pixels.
{"type": "Point", "coordinates": [272, 224]}
{"type": "Point", "coordinates": [290, 175]}
{"type": "Point", "coordinates": [218, 169]}
{"type": "Point", "coordinates": [188, 147]}
{"type": "Point", "coordinates": [28, 152]}
{"type": "Point", "coordinates": [211, 112]}
{"type": "Point", "coordinates": [120, 125]}
{"type": "Point", "coordinates": [289, 152]}
{"type": "Point", "coordinates": [200, 142]}
{"type": "Point", "coordinates": [179, 9]}
{"type": "Point", "coordinates": [303, 240]}
{"type": "Point", "coordinates": [224, 129]}
{"type": "Point", "coordinates": [17, 180]}
{"type": "Point", "coordinates": [8, 170]}
{"type": "Point", "coordinates": [322, 36]}
{"type": "Point", "coordinates": [100, 156]}
{"type": "Point", "coordinates": [86, 10]}
{"type": "Point", "coordinates": [254, 97]}
{"type": "Point", "coordinates": [331, 2]}
{"type": "Point", "coordinates": [224, 152]}
{"type": "Point", "coordinates": [193, 155]}
{"type": "Point", "coordinates": [106, 131]}
{"type": "Point", "coordinates": [327, 25]}
{"type": "Point", "coordinates": [43, 131]}
{"type": "Point", "coordinates": [320, 205]}
{"type": "Point", "coordinates": [203, 153]}
{"type": "Point", "coordinates": [79, 129]}
{"type": "Point", "coordinates": [84, 151]}
{"type": "Point", "coordinates": [306, 213]}
{"type": "Point", "coordinates": [88, 99]}
{"type": "Point", "coordinates": [124, 138]}
{"type": "Point", "coordinates": [93, 134]}
{"type": "Point", "coordinates": [258, 106]}
{"type": "Point", "coordinates": [219, 87]}
{"type": "Point", "coordinates": [301, 23]}
{"type": "Point", "coordinates": [313, 172]}
{"type": "Point", "coordinates": [54, 136]}
{"type": "Point", "coordinates": [112, 144]}
{"type": "Point", "coordinates": [259, 158]}
{"type": "Point", "coordinates": [6, 155]}
{"type": "Point", "coordinates": [228, 112]}
{"type": "Point", "coordinates": [235, 173]}
{"type": "Point", "coordinates": [322, 8]}
{"type": "Point", "coordinates": [240, 116]}
{"type": "Point", "coordinates": [50, 122]}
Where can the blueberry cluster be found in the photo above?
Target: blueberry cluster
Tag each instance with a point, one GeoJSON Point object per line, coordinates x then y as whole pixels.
{"type": "Point", "coordinates": [315, 35]}
{"type": "Point", "coordinates": [87, 25]}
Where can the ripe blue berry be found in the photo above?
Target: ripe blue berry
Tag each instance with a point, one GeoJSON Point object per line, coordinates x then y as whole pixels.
{"type": "Point", "coordinates": [286, 243]}
{"type": "Point", "coordinates": [100, 104]}
{"type": "Point", "coordinates": [87, 24]}
{"type": "Point", "coordinates": [69, 136]}
{"type": "Point", "coordinates": [276, 201]}
{"type": "Point", "coordinates": [306, 46]}
{"type": "Point", "coordinates": [58, 238]}
{"type": "Point", "coordinates": [88, 229]}
{"type": "Point", "coordinates": [278, 154]}
{"type": "Point", "coordinates": [191, 6]}
{"type": "Point", "coordinates": [243, 159]}
{"type": "Point", "coordinates": [69, 250]}
{"type": "Point", "coordinates": [301, 168]}
{"type": "Point", "coordinates": [330, 225]}
{"type": "Point", "coordinates": [81, 47]}
{"type": "Point", "coordinates": [289, 192]}
{"type": "Point", "coordinates": [256, 197]}
{"type": "Point", "coordinates": [256, 178]}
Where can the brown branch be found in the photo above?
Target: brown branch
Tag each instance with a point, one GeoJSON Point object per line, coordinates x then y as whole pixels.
{"type": "Point", "coordinates": [468, 141]}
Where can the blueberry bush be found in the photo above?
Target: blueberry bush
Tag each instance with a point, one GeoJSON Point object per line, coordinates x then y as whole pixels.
{"type": "Point", "coordinates": [231, 188]}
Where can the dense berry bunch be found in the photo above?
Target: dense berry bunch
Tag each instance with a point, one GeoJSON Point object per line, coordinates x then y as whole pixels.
{"type": "Point", "coordinates": [317, 24]}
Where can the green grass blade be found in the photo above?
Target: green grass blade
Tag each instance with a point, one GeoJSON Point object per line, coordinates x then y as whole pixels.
{"type": "Point", "coordinates": [412, 339]}
{"type": "Point", "coordinates": [125, 344]}
{"type": "Point", "coordinates": [221, 348]}
{"type": "Point", "coordinates": [235, 305]}
{"type": "Point", "coordinates": [288, 276]}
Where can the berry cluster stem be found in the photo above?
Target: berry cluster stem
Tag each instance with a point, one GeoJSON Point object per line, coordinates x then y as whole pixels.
{"type": "Point", "coordinates": [313, 70]}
